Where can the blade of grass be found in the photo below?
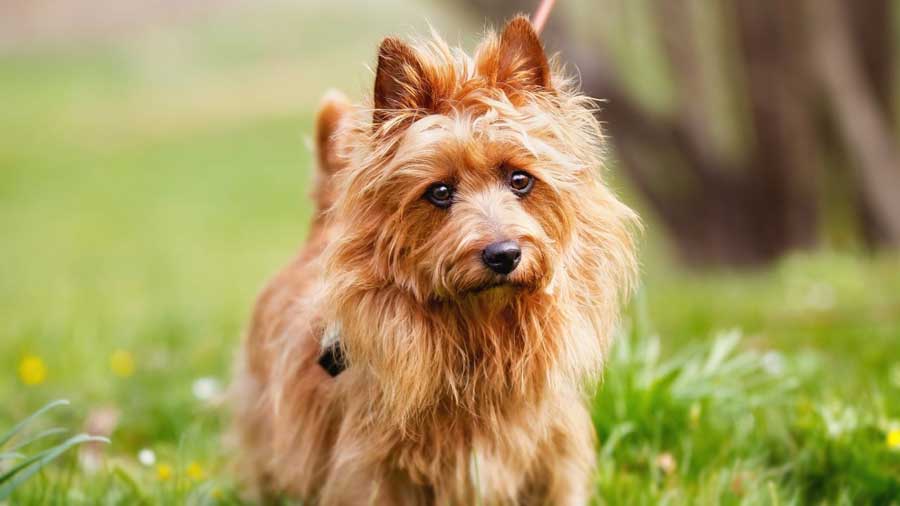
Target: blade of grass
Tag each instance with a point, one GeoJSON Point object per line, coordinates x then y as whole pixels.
{"type": "Point", "coordinates": [9, 473]}
{"type": "Point", "coordinates": [21, 425]}
{"type": "Point", "coordinates": [37, 437]}
{"type": "Point", "coordinates": [17, 475]}
{"type": "Point", "coordinates": [618, 433]}
{"type": "Point", "coordinates": [129, 481]}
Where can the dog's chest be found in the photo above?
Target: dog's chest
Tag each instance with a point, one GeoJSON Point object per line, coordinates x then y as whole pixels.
{"type": "Point", "coordinates": [482, 469]}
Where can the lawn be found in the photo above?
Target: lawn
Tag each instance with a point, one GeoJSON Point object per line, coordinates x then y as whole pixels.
{"type": "Point", "coordinates": [148, 187]}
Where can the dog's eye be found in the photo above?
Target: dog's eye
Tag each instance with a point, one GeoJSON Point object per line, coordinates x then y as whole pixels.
{"type": "Point", "coordinates": [521, 182]}
{"type": "Point", "coordinates": [440, 194]}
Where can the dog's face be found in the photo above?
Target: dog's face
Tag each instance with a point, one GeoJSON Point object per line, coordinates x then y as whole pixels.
{"type": "Point", "coordinates": [475, 175]}
{"type": "Point", "coordinates": [468, 207]}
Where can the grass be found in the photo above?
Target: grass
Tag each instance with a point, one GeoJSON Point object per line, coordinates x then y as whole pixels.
{"type": "Point", "coordinates": [148, 187]}
{"type": "Point", "coordinates": [17, 467]}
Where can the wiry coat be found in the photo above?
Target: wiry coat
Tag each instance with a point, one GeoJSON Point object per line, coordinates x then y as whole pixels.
{"type": "Point", "coordinates": [462, 386]}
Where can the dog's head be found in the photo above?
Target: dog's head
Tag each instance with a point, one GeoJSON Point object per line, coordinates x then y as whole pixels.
{"type": "Point", "coordinates": [475, 177]}
{"type": "Point", "coordinates": [476, 251]}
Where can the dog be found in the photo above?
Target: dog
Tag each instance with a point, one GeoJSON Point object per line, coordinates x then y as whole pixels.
{"type": "Point", "coordinates": [435, 341]}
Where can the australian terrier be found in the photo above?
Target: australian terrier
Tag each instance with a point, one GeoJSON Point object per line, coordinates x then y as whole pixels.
{"type": "Point", "coordinates": [434, 341]}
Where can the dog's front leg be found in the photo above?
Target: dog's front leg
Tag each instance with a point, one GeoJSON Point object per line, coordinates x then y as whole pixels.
{"type": "Point", "coordinates": [567, 462]}
{"type": "Point", "coordinates": [362, 482]}
{"type": "Point", "coordinates": [352, 485]}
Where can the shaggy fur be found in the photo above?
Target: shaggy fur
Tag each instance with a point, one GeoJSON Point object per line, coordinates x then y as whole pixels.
{"type": "Point", "coordinates": [463, 386]}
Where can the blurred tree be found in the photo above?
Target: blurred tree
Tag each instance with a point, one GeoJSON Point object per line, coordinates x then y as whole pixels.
{"type": "Point", "coordinates": [808, 88]}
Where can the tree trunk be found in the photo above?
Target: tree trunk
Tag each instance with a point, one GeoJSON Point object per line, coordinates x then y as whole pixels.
{"type": "Point", "coordinates": [858, 90]}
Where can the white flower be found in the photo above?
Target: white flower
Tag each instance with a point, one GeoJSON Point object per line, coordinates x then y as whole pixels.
{"type": "Point", "coordinates": [206, 388]}
{"type": "Point", "coordinates": [773, 363]}
{"type": "Point", "coordinates": [839, 420]}
{"type": "Point", "coordinates": [147, 457]}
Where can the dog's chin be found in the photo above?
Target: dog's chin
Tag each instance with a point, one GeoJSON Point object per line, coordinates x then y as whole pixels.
{"type": "Point", "coordinates": [498, 289]}
{"type": "Point", "coordinates": [493, 286]}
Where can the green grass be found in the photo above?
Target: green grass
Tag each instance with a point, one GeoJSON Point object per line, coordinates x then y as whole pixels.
{"type": "Point", "coordinates": [148, 188]}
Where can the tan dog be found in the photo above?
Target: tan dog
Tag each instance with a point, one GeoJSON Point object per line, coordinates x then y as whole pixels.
{"type": "Point", "coordinates": [465, 272]}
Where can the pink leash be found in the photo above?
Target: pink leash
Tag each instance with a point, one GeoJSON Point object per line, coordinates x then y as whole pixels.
{"type": "Point", "coordinates": [541, 15]}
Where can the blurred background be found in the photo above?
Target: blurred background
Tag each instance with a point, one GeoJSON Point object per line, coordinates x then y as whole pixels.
{"type": "Point", "coordinates": [155, 165]}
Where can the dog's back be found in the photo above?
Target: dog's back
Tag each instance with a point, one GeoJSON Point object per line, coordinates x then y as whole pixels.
{"type": "Point", "coordinates": [282, 306]}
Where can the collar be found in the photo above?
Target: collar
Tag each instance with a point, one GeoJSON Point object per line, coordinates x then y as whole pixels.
{"type": "Point", "coordinates": [332, 357]}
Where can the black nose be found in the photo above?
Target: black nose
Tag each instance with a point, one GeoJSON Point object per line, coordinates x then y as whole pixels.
{"type": "Point", "coordinates": [502, 257]}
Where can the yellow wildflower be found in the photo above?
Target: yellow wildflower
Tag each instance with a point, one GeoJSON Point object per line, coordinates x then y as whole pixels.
{"type": "Point", "coordinates": [122, 363]}
{"type": "Point", "coordinates": [893, 439]}
{"type": "Point", "coordinates": [32, 370]}
{"type": "Point", "coordinates": [694, 414]}
{"type": "Point", "coordinates": [194, 471]}
{"type": "Point", "coordinates": [163, 472]}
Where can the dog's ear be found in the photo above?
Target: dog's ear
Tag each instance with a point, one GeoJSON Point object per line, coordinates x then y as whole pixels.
{"type": "Point", "coordinates": [401, 82]}
{"type": "Point", "coordinates": [518, 60]}
{"type": "Point", "coordinates": [333, 111]}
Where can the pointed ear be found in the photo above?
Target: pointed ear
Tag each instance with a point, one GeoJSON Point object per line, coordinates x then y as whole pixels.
{"type": "Point", "coordinates": [521, 61]}
{"type": "Point", "coordinates": [400, 81]}
{"type": "Point", "coordinates": [333, 110]}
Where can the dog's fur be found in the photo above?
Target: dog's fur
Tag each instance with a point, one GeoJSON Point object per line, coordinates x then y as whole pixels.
{"type": "Point", "coordinates": [462, 386]}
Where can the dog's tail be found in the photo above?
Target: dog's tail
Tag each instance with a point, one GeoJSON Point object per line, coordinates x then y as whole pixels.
{"type": "Point", "coordinates": [334, 111]}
